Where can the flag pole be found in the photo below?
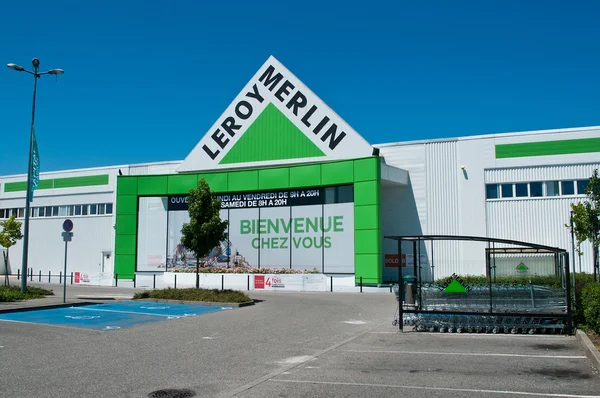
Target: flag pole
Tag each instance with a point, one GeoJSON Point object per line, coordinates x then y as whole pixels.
{"type": "Point", "coordinates": [29, 194]}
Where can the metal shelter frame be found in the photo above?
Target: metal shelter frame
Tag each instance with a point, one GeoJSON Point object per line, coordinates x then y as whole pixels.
{"type": "Point", "coordinates": [561, 262]}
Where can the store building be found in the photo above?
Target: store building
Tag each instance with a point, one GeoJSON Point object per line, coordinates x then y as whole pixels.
{"type": "Point", "coordinates": [301, 189]}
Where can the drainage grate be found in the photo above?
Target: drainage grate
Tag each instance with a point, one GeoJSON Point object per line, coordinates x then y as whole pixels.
{"type": "Point", "coordinates": [172, 393]}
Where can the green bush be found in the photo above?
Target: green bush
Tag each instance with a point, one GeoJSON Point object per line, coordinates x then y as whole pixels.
{"type": "Point", "coordinates": [590, 300]}
{"type": "Point", "coordinates": [549, 280]}
{"type": "Point", "coordinates": [193, 294]}
{"type": "Point", "coordinates": [13, 293]}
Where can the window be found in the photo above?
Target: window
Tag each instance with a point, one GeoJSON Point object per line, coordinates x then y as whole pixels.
{"type": "Point", "coordinates": [93, 209]}
{"type": "Point", "coordinates": [78, 210]}
{"type": "Point", "coordinates": [582, 186]}
{"type": "Point", "coordinates": [101, 208]}
{"type": "Point", "coordinates": [329, 195]}
{"type": "Point", "coordinates": [491, 191]}
{"type": "Point", "coordinates": [63, 211]}
{"type": "Point", "coordinates": [84, 210]}
{"type": "Point", "coordinates": [341, 194]}
{"type": "Point", "coordinates": [48, 211]}
{"type": "Point", "coordinates": [521, 190]}
{"type": "Point", "coordinates": [109, 207]}
{"type": "Point", "coordinates": [537, 189]}
{"type": "Point", "coordinates": [54, 211]}
{"type": "Point", "coordinates": [507, 190]}
{"type": "Point", "coordinates": [552, 188]}
{"type": "Point", "coordinates": [567, 187]}
{"type": "Point", "coordinates": [21, 212]}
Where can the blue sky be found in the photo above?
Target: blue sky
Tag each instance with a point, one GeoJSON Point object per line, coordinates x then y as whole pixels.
{"type": "Point", "coordinates": [144, 80]}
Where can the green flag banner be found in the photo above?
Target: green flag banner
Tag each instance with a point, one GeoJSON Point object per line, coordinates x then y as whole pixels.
{"type": "Point", "coordinates": [35, 167]}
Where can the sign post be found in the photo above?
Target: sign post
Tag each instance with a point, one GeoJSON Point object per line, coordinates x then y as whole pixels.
{"type": "Point", "coordinates": [67, 235]}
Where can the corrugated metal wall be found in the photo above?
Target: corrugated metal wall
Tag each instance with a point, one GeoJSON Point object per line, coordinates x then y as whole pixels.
{"type": "Point", "coordinates": [535, 220]}
{"type": "Point", "coordinates": [542, 173]}
{"type": "Point", "coordinates": [443, 210]}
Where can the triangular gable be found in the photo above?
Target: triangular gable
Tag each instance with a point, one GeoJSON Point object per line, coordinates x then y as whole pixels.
{"type": "Point", "coordinates": [275, 119]}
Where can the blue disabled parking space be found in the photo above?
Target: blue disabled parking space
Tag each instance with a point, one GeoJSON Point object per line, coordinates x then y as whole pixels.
{"type": "Point", "coordinates": [111, 316]}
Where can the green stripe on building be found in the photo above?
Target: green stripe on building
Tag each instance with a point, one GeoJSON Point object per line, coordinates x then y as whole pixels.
{"type": "Point", "coordinates": [57, 183]}
{"type": "Point", "coordinates": [548, 148]}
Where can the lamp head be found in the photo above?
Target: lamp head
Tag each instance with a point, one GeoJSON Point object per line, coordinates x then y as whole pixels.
{"type": "Point", "coordinates": [15, 67]}
{"type": "Point", "coordinates": [36, 63]}
{"type": "Point", "coordinates": [56, 72]}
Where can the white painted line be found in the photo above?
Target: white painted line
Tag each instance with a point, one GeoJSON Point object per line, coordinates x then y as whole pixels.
{"type": "Point", "coordinates": [50, 324]}
{"type": "Point", "coordinates": [467, 354]}
{"type": "Point", "coordinates": [384, 332]}
{"type": "Point", "coordinates": [128, 312]}
{"type": "Point", "coordinates": [538, 394]}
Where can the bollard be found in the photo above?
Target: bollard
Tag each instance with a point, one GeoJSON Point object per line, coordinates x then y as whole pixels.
{"type": "Point", "coordinates": [331, 283]}
{"type": "Point", "coordinates": [116, 280]}
{"type": "Point", "coordinates": [31, 274]}
{"type": "Point", "coordinates": [198, 280]}
{"type": "Point", "coordinates": [18, 274]}
{"type": "Point", "coordinates": [248, 282]}
{"type": "Point", "coordinates": [40, 276]}
{"type": "Point", "coordinates": [175, 281]}
{"type": "Point", "coordinates": [222, 282]}
{"type": "Point", "coordinates": [71, 277]}
{"type": "Point", "coordinates": [154, 282]}
{"type": "Point", "coordinates": [361, 284]}
{"type": "Point", "coordinates": [134, 275]}
{"type": "Point", "coordinates": [60, 278]}
{"type": "Point", "coordinates": [49, 275]}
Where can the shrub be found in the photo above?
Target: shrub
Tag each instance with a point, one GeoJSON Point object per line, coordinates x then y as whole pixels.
{"type": "Point", "coordinates": [194, 294]}
{"type": "Point", "coordinates": [590, 300]}
{"type": "Point", "coordinates": [13, 293]}
{"type": "Point", "coordinates": [549, 280]}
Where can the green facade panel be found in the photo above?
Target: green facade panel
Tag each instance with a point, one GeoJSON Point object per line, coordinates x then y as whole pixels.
{"type": "Point", "coordinates": [272, 136]}
{"type": "Point", "coordinates": [366, 193]}
{"type": "Point", "coordinates": [218, 182]}
{"type": "Point", "coordinates": [125, 244]}
{"type": "Point", "coordinates": [126, 224]}
{"type": "Point", "coordinates": [335, 173]}
{"type": "Point", "coordinates": [181, 183]}
{"type": "Point", "coordinates": [366, 217]}
{"type": "Point", "coordinates": [368, 266]}
{"type": "Point", "coordinates": [127, 204]}
{"type": "Point", "coordinates": [44, 184]}
{"type": "Point", "coordinates": [548, 148]}
{"type": "Point", "coordinates": [16, 186]}
{"type": "Point", "coordinates": [243, 180]}
{"type": "Point", "coordinates": [278, 178]}
{"type": "Point", "coordinates": [127, 185]}
{"type": "Point", "coordinates": [368, 169]}
{"type": "Point", "coordinates": [125, 266]}
{"type": "Point", "coordinates": [367, 241]}
{"type": "Point", "coordinates": [152, 185]}
{"type": "Point", "coordinates": [86, 181]}
{"type": "Point", "coordinates": [305, 176]}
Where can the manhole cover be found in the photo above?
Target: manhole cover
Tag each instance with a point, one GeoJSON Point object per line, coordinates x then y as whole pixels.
{"type": "Point", "coordinates": [172, 393]}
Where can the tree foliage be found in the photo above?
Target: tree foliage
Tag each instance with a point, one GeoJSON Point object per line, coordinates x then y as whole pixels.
{"type": "Point", "coordinates": [11, 232]}
{"type": "Point", "coordinates": [9, 235]}
{"type": "Point", "coordinates": [205, 230]}
{"type": "Point", "coordinates": [586, 216]}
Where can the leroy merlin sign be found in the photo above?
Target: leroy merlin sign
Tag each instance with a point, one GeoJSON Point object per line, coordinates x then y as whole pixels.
{"type": "Point", "coordinates": [275, 118]}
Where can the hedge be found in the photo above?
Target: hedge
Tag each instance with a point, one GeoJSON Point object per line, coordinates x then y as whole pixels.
{"type": "Point", "coordinates": [590, 300]}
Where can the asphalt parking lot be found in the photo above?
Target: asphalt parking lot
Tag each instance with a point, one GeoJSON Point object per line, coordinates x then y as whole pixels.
{"type": "Point", "coordinates": [289, 345]}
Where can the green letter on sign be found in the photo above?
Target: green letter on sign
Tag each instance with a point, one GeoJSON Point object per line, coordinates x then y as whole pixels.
{"type": "Point", "coordinates": [245, 227]}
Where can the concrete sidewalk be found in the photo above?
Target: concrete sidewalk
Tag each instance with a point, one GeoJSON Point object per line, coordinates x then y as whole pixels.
{"type": "Point", "coordinates": [76, 295]}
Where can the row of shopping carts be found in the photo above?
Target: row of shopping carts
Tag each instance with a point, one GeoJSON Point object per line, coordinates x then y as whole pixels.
{"type": "Point", "coordinates": [480, 323]}
{"type": "Point", "coordinates": [523, 299]}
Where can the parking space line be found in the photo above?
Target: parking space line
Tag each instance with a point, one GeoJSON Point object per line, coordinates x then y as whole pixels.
{"type": "Point", "coordinates": [49, 324]}
{"type": "Point", "coordinates": [127, 312]}
{"type": "Point", "coordinates": [467, 354]}
{"type": "Point", "coordinates": [538, 394]}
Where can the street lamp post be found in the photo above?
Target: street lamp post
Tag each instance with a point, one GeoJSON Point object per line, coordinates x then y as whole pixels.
{"type": "Point", "coordinates": [36, 75]}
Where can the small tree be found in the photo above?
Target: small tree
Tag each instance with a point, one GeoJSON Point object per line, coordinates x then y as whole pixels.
{"type": "Point", "coordinates": [205, 229]}
{"type": "Point", "coordinates": [586, 218]}
{"type": "Point", "coordinates": [10, 234]}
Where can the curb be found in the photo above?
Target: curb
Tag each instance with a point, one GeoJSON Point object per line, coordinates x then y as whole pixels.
{"type": "Point", "coordinates": [46, 307]}
{"type": "Point", "coordinates": [590, 350]}
{"type": "Point", "coordinates": [207, 303]}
